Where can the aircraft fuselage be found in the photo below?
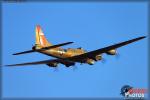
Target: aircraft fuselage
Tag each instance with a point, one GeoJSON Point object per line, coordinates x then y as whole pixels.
{"type": "Point", "coordinates": [63, 53]}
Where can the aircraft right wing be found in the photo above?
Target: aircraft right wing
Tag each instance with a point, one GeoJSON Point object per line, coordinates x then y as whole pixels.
{"type": "Point", "coordinates": [92, 54]}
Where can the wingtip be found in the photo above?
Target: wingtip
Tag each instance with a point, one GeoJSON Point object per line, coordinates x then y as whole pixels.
{"type": "Point", "coordinates": [71, 42]}
{"type": "Point", "coordinates": [6, 65]}
{"type": "Point", "coordinates": [10, 65]}
{"type": "Point", "coordinates": [14, 54]}
{"type": "Point", "coordinates": [143, 36]}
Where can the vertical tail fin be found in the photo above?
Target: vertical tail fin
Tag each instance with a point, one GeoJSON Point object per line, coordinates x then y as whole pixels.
{"type": "Point", "coordinates": [41, 40]}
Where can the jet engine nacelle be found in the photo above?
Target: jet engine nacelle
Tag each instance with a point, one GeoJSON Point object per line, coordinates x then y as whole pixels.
{"type": "Point", "coordinates": [52, 64]}
{"type": "Point", "coordinates": [90, 61]}
{"type": "Point", "coordinates": [112, 52]}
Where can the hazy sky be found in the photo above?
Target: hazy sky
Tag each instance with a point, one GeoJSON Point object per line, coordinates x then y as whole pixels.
{"type": "Point", "coordinates": [91, 25]}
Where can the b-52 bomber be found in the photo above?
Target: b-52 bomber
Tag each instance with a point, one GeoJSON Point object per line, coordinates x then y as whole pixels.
{"type": "Point", "coordinates": [70, 56]}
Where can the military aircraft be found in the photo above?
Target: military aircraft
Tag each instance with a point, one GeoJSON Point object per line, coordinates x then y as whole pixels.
{"type": "Point", "coordinates": [70, 56]}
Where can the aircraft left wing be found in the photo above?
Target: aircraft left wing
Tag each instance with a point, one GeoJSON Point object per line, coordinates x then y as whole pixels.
{"type": "Point", "coordinates": [35, 63]}
{"type": "Point", "coordinates": [92, 54]}
{"type": "Point", "coordinates": [67, 63]}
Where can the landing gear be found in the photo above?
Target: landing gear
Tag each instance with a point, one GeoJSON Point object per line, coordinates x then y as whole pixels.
{"type": "Point", "coordinates": [71, 64]}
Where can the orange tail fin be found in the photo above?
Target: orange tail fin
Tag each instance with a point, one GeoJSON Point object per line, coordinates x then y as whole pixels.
{"type": "Point", "coordinates": [41, 40]}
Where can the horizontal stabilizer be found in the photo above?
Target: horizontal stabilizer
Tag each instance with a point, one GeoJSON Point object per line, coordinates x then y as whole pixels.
{"type": "Point", "coordinates": [54, 46]}
{"type": "Point", "coordinates": [29, 51]}
{"type": "Point", "coordinates": [44, 48]}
